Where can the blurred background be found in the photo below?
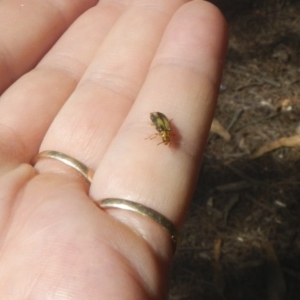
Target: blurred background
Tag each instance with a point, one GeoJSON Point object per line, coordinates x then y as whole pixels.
{"type": "Point", "coordinates": [241, 239]}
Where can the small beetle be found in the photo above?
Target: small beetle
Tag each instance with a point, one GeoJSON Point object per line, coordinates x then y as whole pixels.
{"type": "Point", "coordinates": [162, 125]}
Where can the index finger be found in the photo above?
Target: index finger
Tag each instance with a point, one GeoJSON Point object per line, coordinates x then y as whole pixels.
{"type": "Point", "coordinates": [182, 83]}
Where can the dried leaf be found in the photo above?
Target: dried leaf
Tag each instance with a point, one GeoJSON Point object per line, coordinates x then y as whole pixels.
{"type": "Point", "coordinates": [217, 128]}
{"type": "Point", "coordinates": [292, 141]}
{"type": "Point", "coordinates": [284, 105]}
{"type": "Point", "coordinates": [219, 281]}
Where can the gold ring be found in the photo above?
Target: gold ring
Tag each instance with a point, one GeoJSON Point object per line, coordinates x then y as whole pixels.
{"type": "Point", "coordinates": [144, 211]}
{"type": "Point", "coordinates": [86, 172]}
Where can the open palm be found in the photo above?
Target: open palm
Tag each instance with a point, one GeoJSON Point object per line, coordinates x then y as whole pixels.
{"type": "Point", "coordinates": [82, 77]}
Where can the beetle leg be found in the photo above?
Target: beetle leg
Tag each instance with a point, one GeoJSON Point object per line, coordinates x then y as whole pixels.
{"type": "Point", "coordinates": [163, 143]}
{"type": "Point", "coordinates": [152, 136]}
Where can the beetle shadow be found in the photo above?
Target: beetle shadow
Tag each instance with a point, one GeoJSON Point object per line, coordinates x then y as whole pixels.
{"type": "Point", "coordinates": [176, 137]}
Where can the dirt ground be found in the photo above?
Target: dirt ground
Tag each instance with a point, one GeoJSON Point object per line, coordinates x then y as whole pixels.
{"type": "Point", "coordinates": [241, 239]}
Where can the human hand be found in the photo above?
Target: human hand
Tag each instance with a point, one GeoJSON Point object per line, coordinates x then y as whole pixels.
{"type": "Point", "coordinates": [89, 97]}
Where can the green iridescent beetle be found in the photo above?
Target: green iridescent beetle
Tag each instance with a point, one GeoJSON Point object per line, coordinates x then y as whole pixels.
{"type": "Point", "coordinates": [162, 125]}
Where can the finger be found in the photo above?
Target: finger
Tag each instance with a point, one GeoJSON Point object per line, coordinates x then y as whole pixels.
{"type": "Point", "coordinates": [28, 107]}
{"type": "Point", "coordinates": [28, 29]}
{"type": "Point", "coordinates": [91, 117]}
{"type": "Point", "coordinates": [182, 83]}
{"type": "Point", "coordinates": [10, 185]}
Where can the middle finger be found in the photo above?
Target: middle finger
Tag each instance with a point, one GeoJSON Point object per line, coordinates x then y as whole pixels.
{"type": "Point", "coordinates": [93, 114]}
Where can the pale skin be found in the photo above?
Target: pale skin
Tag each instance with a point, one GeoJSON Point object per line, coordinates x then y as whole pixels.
{"type": "Point", "coordinates": [84, 81]}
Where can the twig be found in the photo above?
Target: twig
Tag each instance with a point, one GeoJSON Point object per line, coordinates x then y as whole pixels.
{"type": "Point", "coordinates": [233, 201]}
{"type": "Point", "coordinates": [271, 116]}
{"type": "Point", "coordinates": [195, 248]}
{"type": "Point", "coordinates": [247, 85]}
{"type": "Point", "coordinates": [235, 118]}
{"type": "Point", "coordinates": [242, 175]}
{"type": "Point", "coordinates": [260, 204]}
{"type": "Point", "coordinates": [234, 186]}
{"type": "Point", "coordinates": [268, 81]}
{"type": "Point", "coordinates": [276, 282]}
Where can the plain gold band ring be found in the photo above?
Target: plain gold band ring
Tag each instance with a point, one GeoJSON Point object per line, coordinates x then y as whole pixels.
{"type": "Point", "coordinates": [86, 172]}
{"type": "Point", "coordinates": [144, 211]}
